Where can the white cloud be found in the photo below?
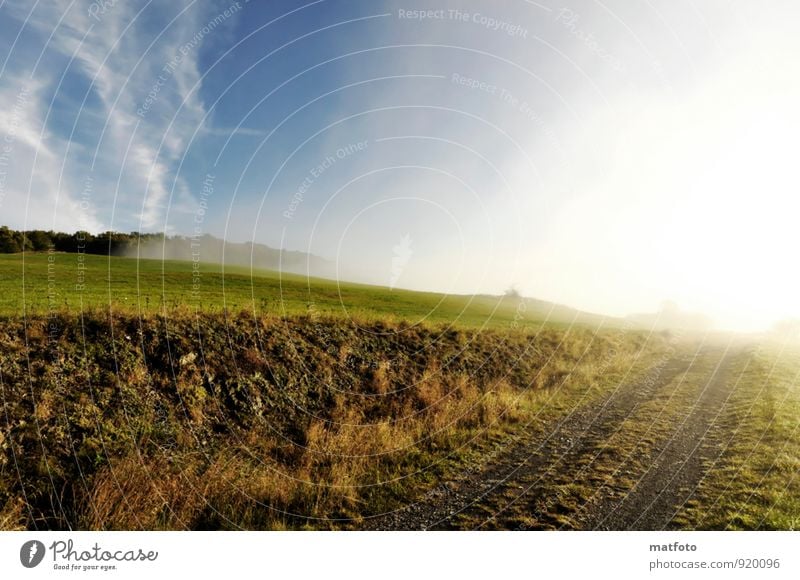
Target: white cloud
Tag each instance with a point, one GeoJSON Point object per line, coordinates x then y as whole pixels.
{"type": "Point", "coordinates": [31, 191]}
{"type": "Point", "coordinates": [124, 57]}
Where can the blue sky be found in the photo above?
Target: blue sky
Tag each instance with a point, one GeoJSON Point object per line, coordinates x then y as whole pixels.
{"type": "Point", "coordinates": [604, 155]}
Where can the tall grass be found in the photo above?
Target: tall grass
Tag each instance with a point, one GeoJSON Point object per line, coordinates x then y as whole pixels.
{"type": "Point", "coordinates": [220, 421]}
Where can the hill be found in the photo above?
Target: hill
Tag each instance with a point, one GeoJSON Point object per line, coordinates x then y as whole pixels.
{"type": "Point", "coordinates": [149, 394]}
{"type": "Point", "coordinates": [202, 248]}
{"type": "Point", "coordinates": [42, 282]}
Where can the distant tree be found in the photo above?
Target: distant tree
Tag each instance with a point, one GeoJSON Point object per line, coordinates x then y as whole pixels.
{"type": "Point", "coordinates": [38, 240]}
{"type": "Point", "coordinates": [9, 242]}
{"type": "Point", "coordinates": [62, 242]}
{"type": "Point", "coordinates": [81, 241]}
{"type": "Point", "coordinates": [157, 246]}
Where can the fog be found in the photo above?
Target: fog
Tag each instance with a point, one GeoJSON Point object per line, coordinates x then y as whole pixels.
{"type": "Point", "coordinates": [607, 156]}
{"type": "Point", "coordinates": [652, 163]}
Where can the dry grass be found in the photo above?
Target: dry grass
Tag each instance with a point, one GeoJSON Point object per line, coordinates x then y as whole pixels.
{"type": "Point", "coordinates": [223, 423]}
{"type": "Point", "coordinates": [342, 463]}
{"type": "Point", "coordinates": [756, 482]}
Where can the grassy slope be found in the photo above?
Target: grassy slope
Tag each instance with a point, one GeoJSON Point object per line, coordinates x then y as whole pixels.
{"type": "Point", "coordinates": [152, 286]}
{"type": "Point", "coordinates": [174, 413]}
{"type": "Point", "coordinates": [208, 421]}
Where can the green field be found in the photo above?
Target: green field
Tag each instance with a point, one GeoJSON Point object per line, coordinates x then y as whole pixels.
{"type": "Point", "coordinates": [225, 398]}
{"type": "Point", "coordinates": [37, 283]}
{"type": "Point", "coordinates": [143, 394]}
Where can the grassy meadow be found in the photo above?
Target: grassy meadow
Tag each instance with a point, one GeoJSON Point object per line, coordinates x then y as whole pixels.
{"type": "Point", "coordinates": [146, 394]}
{"type": "Point", "coordinates": [138, 395]}
{"type": "Point", "coordinates": [38, 283]}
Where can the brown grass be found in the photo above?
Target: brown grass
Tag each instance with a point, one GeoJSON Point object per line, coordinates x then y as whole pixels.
{"type": "Point", "coordinates": [226, 422]}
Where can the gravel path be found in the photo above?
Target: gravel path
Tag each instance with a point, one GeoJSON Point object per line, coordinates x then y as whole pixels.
{"type": "Point", "coordinates": [571, 476]}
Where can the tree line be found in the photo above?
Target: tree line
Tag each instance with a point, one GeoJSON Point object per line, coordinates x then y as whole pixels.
{"type": "Point", "coordinates": [204, 248]}
{"type": "Point", "coordinates": [106, 243]}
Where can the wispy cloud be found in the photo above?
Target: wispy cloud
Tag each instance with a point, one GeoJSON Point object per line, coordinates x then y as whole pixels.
{"type": "Point", "coordinates": [140, 132]}
{"type": "Point", "coordinates": [32, 191]}
{"type": "Point", "coordinates": [240, 131]}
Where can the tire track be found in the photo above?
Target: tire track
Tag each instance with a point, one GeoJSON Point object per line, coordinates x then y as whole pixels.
{"type": "Point", "coordinates": [677, 465]}
{"type": "Point", "coordinates": [523, 487]}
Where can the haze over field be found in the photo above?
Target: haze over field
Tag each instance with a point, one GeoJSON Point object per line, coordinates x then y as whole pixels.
{"type": "Point", "coordinates": [604, 156]}
{"type": "Point", "coordinates": [401, 265]}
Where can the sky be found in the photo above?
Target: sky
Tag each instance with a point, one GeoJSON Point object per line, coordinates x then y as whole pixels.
{"type": "Point", "coordinates": [605, 155]}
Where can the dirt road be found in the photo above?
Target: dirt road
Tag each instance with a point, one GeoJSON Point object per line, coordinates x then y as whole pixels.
{"type": "Point", "coordinates": [629, 461]}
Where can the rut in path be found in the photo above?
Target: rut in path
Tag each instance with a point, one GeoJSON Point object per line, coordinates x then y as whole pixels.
{"type": "Point", "coordinates": [523, 487]}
